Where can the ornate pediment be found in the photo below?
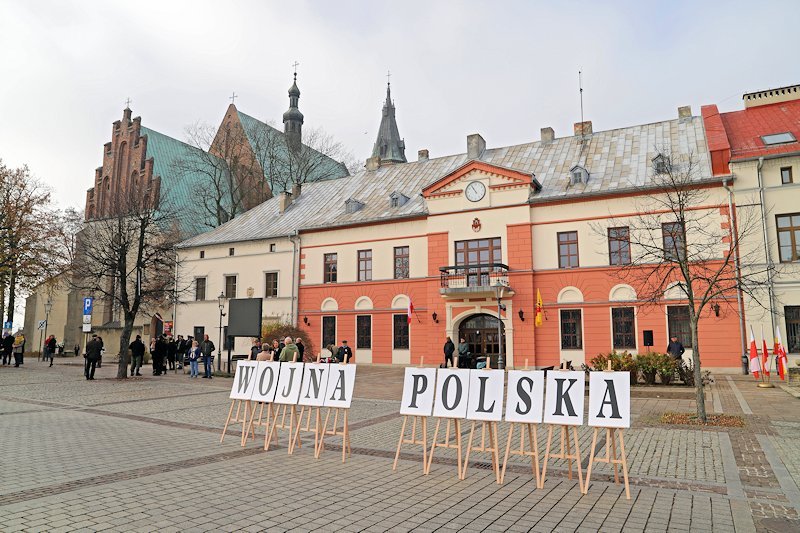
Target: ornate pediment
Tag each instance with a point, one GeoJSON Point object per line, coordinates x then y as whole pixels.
{"type": "Point", "coordinates": [498, 177]}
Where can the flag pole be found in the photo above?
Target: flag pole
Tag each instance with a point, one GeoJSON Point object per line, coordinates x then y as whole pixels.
{"type": "Point", "coordinates": [765, 377]}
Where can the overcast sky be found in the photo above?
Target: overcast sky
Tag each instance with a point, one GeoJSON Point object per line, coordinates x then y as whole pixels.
{"type": "Point", "coordinates": [502, 69]}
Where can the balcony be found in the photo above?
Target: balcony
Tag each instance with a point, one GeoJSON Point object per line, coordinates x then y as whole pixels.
{"type": "Point", "coordinates": [473, 280]}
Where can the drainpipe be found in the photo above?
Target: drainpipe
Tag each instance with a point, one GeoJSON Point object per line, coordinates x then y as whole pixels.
{"type": "Point", "coordinates": [295, 277]}
{"type": "Point", "coordinates": [767, 255]}
{"type": "Point", "coordinates": [735, 243]}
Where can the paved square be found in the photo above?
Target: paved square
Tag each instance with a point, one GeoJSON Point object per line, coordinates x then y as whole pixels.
{"type": "Point", "coordinates": [144, 455]}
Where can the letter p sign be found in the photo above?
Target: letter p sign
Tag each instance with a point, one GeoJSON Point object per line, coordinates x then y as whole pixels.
{"type": "Point", "coordinates": [418, 391]}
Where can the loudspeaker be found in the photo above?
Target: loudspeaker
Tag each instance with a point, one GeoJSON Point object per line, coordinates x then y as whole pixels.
{"type": "Point", "coordinates": [648, 337]}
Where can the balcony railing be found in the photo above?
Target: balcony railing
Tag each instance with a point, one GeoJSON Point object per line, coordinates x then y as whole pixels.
{"type": "Point", "coordinates": [468, 278]}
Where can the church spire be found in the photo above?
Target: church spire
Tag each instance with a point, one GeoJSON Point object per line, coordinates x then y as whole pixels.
{"type": "Point", "coordinates": [293, 118]}
{"type": "Point", "coordinates": [389, 146]}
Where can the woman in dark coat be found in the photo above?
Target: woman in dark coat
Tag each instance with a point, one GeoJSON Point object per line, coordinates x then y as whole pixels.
{"type": "Point", "coordinates": [449, 350]}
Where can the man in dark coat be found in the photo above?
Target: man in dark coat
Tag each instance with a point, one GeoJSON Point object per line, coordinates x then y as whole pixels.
{"type": "Point", "coordinates": [675, 348]}
{"type": "Point", "coordinates": [300, 348]}
{"type": "Point", "coordinates": [8, 348]}
{"type": "Point", "coordinates": [137, 355]}
{"type": "Point", "coordinates": [159, 355]}
{"type": "Point", "coordinates": [51, 348]}
{"type": "Point", "coordinates": [93, 348]}
{"type": "Point", "coordinates": [344, 352]}
{"type": "Point", "coordinates": [449, 350]}
{"type": "Point", "coordinates": [172, 349]}
{"type": "Point", "coordinates": [207, 349]}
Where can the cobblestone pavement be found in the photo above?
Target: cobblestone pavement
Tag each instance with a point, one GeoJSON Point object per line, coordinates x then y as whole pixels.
{"type": "Point", "coordinates": [144, 454]}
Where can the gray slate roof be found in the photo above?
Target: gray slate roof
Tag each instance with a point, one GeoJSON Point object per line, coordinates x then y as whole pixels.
{"type": "Point", "coordinates": [617, 159]}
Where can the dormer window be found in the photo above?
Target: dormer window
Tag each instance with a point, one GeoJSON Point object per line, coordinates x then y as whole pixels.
{"type": "Point", "coordinates": [778, 138]}
{"type": "Point", "coordinates": [660, 164]}
{"type": "Point", "coordinates": [397, 199]}
{"type": "Point", "coordinates": [578, 175]}
{"type": "Point", "coordinates": [352, 205]}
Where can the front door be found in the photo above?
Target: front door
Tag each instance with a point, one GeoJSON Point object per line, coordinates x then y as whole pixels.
{"type": "Point", "coordinates": [480, 332]}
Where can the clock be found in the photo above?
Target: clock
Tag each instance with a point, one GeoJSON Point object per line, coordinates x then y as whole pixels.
{"type": "Point", "coordinates": [475, 191]}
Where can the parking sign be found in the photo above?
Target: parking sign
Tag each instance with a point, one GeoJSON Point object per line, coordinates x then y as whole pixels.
{"type": "Point", "coordinates": [87, 305]}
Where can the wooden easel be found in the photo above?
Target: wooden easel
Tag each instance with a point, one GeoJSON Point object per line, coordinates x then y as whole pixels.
{"type": "Point", "coordinates": [533, 445]}
{"type": "Point", "coordinates": [489, 427]}
{"type": "Point", "coordinates": [566, 433]}
{"type": "Point", "coordinates": [423, 420]}
{"type": "Point", "coordinates": [344, 432]}
{"type": "Point", "coordinates": [611, 454]}
{"type": "Point", "coordinates": [279, 422]}
{"type": "Point", "coordinates": [261, 422]}
{"type": "Point", "coordinates": [243, 407]}
{"type": "Point", "coordinates": [308, 411]}
{"type": "Point", "coordinates": [446, 443]}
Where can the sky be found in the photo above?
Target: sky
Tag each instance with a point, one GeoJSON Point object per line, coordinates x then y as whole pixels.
{"type": "Point", "coordinates": [501, 69]}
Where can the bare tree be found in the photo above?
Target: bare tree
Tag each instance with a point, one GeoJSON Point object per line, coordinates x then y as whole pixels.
{"type": "Point", "coordinates": [684, 243]}
{"type": "Point", "coordinates": [128, 260]}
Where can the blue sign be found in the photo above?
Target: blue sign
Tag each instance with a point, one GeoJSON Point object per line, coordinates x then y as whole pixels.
{"type": "Point", "coordinates": [7, 325]}
{"type": "Point", "coordinates": [87, 305]}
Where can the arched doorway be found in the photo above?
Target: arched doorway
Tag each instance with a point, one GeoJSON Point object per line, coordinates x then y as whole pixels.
{"type": "Point", "coordinates": [480, 332]}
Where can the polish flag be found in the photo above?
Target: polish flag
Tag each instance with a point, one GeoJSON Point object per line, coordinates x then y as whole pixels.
{"type": "Point", "coordinates": [755, 364]}
{"type": "Point", "coordinates": [765, 363]}
{"type": "Point", "coordinates": [410, 310]}
{"type": "Point", "coordinates": [780, 352]}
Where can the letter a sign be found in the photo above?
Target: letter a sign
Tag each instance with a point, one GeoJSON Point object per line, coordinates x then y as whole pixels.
{"type": "Point", "coordinates": [563, 398]}
{"type": "Point", "coordinates": [610, 399]}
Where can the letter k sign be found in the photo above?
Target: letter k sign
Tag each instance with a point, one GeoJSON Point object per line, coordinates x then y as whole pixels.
{"type": "Point", "coordinates": [564, 398]}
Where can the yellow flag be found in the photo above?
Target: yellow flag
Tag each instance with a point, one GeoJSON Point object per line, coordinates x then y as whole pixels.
{"type": "Point", "coordinates": [539, 309]}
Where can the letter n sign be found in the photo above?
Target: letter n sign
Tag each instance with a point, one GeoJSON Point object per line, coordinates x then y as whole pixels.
{"type": "Point", "coordinates": [419, 385]}
{"type": "Point", "coordinates": [563, 398]}
{"type": "Point", "coordinates": [610, 399]}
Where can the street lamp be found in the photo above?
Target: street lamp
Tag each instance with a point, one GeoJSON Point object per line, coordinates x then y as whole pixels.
{"type": "Point", "coordinates": [499, 288]}
{"type": "Point", "coordinates": [221, 299]}
{"type": "Point", "coordinates": [48, 306]}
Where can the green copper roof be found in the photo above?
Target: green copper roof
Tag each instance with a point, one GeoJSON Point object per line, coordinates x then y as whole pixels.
{"type": "Point", "coordinates": [178, 186]}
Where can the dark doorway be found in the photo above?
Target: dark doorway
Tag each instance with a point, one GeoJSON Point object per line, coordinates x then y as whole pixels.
{"type": "Point", "coordinates": [480, 332]}
{"type": "Point", "coordinates": [199, 331]}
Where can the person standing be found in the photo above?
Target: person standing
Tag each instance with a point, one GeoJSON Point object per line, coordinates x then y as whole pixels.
{"type": "Point", "coordinates": [207, 349]}
{"type": "Point", "coordinates": [77, 349]}
{"type": "Point", "coordinates": [675, 348]}
{"type": "Point", "coordinates": [344, 353]}
{"type": "Point", "coordinates": [276, 350]}
{"type": "Point", "coordinates": [172, 349]}
{"type": "Point", "coordinates": [290, 353]}
{"type": "Point", "coordinates": [194, 359]}
{"type": "Point", "coordinates": [463, 354]}
{"type": "Point", "coordinates": [19, 349]}
{"type": "Point", "coordinates": [255, 349]}
{"type": "Point", "coordinates": [160, 356]}
{"type": "Point", "coordinates": [183, 347]}
{"type": "Point", "coordinates": [301, 348]}
{"type": "Point", "coordinates": [51, 348]}
{"type": "Point", "coordinates": [8, 348]}
{"type": "Point", "coordinates": [449, 350]}
{"type": "Point", "coordinates": [102, 351]}
{"type": "Point", "coordinates": [137, 355]}
{"type": "Point", "coordinates": [93, 348]}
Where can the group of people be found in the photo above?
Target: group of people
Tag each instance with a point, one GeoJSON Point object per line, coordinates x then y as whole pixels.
{"type": "Point", "coordinates": [464, 355]}
{"type": "Point", "coordinates": [288, 351]}
{"type": "Point", "coordinates": [341, 353]}
{"type": "Point", "coordinates": [167, 353]}
{"type": "Point", "coordinates": [49, 349]}
{"type": "Point", "coordinates": [13, 345]}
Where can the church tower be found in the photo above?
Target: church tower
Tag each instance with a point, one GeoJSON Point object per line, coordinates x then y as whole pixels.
{"type": "Point", "coordinates": [389, 147]}
{"type": "Point", "coordinates": [293, 118]}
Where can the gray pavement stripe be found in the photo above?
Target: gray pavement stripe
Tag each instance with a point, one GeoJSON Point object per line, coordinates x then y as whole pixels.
{"type": "Point", "coordinates": [739, 398]}
{"type": "Point", "coordinates": [159, 398]}
{"type": "Point", "coordinates": [788, 486]}
{"type": "Point", "coordinates": [740, 508]}
{"type": "Point", "coordinates": [717, 400]}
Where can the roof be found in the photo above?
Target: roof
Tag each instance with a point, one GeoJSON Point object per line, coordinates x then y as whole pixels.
{"type": "Point", "coordinates": [325, 168]}
{"type": "Point", "coordinates": [178, 187]}
{"type": "Point", "coordinates": [617, 160]}
{"type": "Point", "coordinates": [388, 145]}
{"type": "Point", "coordinates": [746, 127]}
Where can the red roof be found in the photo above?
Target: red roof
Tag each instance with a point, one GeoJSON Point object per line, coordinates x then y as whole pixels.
{"type": "Point", "coordinates": [746, 127]}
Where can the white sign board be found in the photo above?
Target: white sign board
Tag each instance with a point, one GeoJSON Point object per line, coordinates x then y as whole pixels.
{"type": "Point", "coordinates": [41, 324]}
{"type": "Point", "coordinates": [610, 399]}
{"type": "Point", "coordinates": [485, 395]}
{"type": "Point", "coordinates": [244, 380]}
{"type": "Point", "coordinates": [266, 381]}
{"type": "Point", "coordinates": [341, 379]}
{"type": "Point", "coordinates": [87, 319]}
{"type": "Point", "coordinates": [315, 383]}
{"type": "Point", "coordinates": [87, 328]}
{"type": "Point", "coordinates": [563, 398]}
{"type": "Point", "coordinates": [452, 392]}
{"type": "Point", "coordinates": [289, 383]}
{"type": "Point", "coordinates": [419, 386]}
{"type": "Point", "coordinates": [525, 396]}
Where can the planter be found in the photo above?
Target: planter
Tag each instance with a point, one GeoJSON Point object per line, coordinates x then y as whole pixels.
{"type": "Point", "coordinates": [666, 379]}
{"type": "Point", "coordinates": [649, 377]}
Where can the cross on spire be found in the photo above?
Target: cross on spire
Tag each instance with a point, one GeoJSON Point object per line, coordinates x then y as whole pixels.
{"type": "Point", "coordinates": [128, 102]}
{"type": "Point", "coordinates": [295, 65]}
{"type": "Point", "coordinates": [233, 97]}
{"type": "Point", "coordinates": [388, 77]}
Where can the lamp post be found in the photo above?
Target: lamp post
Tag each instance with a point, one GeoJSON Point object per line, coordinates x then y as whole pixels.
{"type": "Point", "coordinates": [47, 308]}
{"type": "Point", "coordinates": [221, 299]}
{"type": "Point", "coordinates": [499, 289]}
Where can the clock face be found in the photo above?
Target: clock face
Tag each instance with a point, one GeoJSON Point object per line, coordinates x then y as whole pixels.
{"type": "Point", "coordinates": [475, 191]}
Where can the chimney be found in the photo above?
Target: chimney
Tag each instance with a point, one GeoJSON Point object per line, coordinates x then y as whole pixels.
{"type": "Point", "coordinates": [422, 155]}
{"type": "Point", "coordinates": [374, 162]}
{"type": "Point", "coordinates": [296, 190]}
{"type": "Point", "coordinates": [583, 128]}
{"type": "Point", "coordinates": [548, 135]}
{"type": "Point", "coordinates": [284, 201]}
{"type": "Point", "coordinates": [475, 146]}
{"type": "Point", "coordinates": [685, 113]}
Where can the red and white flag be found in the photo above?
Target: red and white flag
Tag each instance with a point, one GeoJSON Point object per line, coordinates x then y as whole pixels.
{"type": "Point", "coordinates": [410, 310]}
{"type": "Point", "coordinates": [780, 353]}
{"type": "Point", "coordinates": [755, 364]}
{"type": "Point", "coordinates": [765, 363]}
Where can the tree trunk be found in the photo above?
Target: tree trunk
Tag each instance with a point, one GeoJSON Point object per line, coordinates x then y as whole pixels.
{"type": "Point", "coordinates": [2, 297]}
{"type": "Point", "coordinates": [698, 379]}
{"type": "Point", "coordinates": [12, 281]}
{"type": "Point", "coordinates": [124, 342]}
